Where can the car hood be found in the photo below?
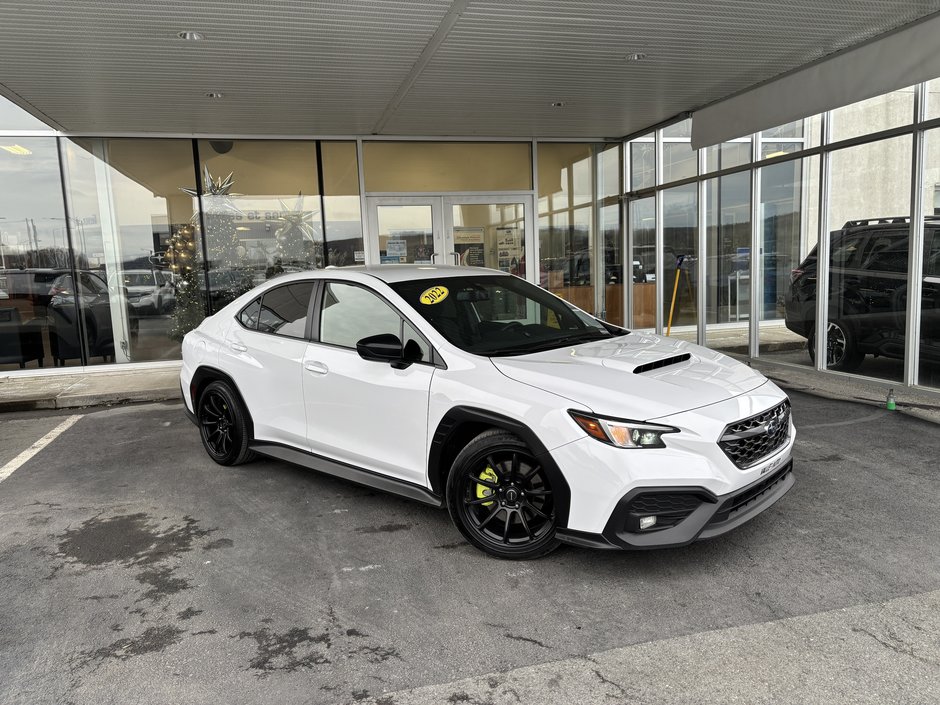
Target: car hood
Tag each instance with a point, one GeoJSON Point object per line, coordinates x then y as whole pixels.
{"type": "Point", "coordinates": [636, 376]}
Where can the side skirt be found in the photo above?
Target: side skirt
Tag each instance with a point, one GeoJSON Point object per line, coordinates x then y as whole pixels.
{"type": "Point", "coordinates": [349, 472]}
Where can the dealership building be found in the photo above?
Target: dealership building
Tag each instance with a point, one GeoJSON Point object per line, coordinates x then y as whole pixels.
{"type": "Point", "coordinates": [762, 179]}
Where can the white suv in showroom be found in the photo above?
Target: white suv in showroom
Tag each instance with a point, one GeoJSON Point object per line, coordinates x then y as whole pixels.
{"type": "Point", "coordinates": [533, 422]}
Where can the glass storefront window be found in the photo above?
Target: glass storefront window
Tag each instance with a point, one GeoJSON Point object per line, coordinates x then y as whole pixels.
{"type": "Point", "coordinates": [608, 172]}
{"type": "Point", "coordinates": [680, 161]}
{"type": "Point", "coordinates": [792, 137]}
{"type": "Point", "coordinates": [609, 188]}
{"type": "Point", "coordinates": [789, 131]}
{"type": "Point", "coordinates": [680, 254]}
{"type": "Point", "coordinates": [868, 266]}
{"type": "Point", "coordinates": [769, 150]}
{"type": "Point", "coordinates": [566, 223]}
{"type": "Point", "coordinates": [140, 284]}
{"type": "Point", "coordinates": [642, 163]}
{"type": "Point", "coordinates": [929, 369]}
{"type": "Point", "coordinates": [260, 211]}
{"type": "Point", "coordinates": [613, 264]}
{"type": "Point", "coordinates": [788, 226]}
{"type": "Point", "coordinates": [38, 314]}
{"type": "Point", "coordinates": [436, 167]}
{"type": "Point", "coordinates": [933, 99]}
{"type": "Point", "coordinates": [682, 129]}
{"type": "Point", "coordinates": [727, 155]}
{"type": "Point", "coordinates": [642, 234]}
{"type": "Point", "coordinates": [880, 113]}
{"type": "Point", "coordinates": [728, 262]}
{"type": "Point", "coordinates": [343, 243]}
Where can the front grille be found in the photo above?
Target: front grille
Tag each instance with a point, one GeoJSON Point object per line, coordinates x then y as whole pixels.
{"type": "Point", "coordinates": [753, 494]}
{"type": "Point", "coordinates": [669, 507]}
{"type": "Point", "coordinates": [749, 441]}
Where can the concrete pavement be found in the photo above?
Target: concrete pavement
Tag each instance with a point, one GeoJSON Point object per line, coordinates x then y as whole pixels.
{"type": "Point", "coordinates": [133, 569]}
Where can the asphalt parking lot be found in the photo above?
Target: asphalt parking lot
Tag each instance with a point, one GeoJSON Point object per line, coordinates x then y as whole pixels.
{"type": "Point", "coordinates": [133, 569]}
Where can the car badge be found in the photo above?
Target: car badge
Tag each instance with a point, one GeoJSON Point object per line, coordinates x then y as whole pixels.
{"type": "Point", "coordinates": [775, 423]}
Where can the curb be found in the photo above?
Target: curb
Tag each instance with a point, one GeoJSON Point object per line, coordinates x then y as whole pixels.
{"type": "Point", "coordinates": [89, 400]}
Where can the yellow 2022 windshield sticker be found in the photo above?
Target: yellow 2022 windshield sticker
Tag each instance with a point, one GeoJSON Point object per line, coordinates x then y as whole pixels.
{"type": "Point", "coordinates": [434, 295]}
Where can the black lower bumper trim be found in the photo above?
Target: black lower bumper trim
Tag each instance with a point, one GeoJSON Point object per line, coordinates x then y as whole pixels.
{"type": "Point", "coordinates": [189, 414]}
{"type": "Point", "coordinates": [584, 539]}
{"type": "Point", "coordinates": [715, 515]}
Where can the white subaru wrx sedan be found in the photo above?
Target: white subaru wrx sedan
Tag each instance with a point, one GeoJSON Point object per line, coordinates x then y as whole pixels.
{"type": "Point", "coordinates": [532, 421]}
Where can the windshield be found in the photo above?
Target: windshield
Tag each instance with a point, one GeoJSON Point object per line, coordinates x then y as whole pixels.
{"type": "Point", "coordinates": [493, 315]}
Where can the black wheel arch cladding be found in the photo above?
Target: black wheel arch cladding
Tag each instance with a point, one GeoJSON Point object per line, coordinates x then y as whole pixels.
{"type": "Point", "coordinates": [463, 423]}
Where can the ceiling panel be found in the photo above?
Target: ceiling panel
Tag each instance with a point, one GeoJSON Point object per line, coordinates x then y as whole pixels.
{"type": "Point", "coordinates": [332, 67]}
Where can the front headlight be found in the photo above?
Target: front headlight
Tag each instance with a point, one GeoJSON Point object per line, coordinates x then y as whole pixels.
{"type": "Point", "coordinates": [623, 433]}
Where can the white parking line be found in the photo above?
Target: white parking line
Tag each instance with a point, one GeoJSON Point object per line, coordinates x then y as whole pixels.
{"type": "Point", "coordinates": [14, 464]}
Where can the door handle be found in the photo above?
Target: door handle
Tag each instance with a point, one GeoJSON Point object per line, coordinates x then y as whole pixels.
{"type": "Point", "coordinates": [238, 347]}
{"type": "Point", "coordinates": [317, 368]}
{"type": "Point", "coordinates": [456, 256]}
{"type": "Point", "coordinates": [434, 256]}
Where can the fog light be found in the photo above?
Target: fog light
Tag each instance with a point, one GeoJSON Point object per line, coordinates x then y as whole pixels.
{"type": "Point", "coordinates": [647, 522]}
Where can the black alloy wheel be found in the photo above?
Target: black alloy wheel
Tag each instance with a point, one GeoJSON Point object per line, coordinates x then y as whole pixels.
{"type": "Point", "coordinates": [842, 354]}
{"type": "Point", "coordinates": [223, 425]}
{"type": "Point", "coordinates": [500, 498]}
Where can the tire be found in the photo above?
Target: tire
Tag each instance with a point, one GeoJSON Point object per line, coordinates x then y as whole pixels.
{"type": "Point", "coordinates": [842, 353]}
{"type": "Point", "coordinates": [223, 425]}
{"type": "Point", "coordinates": [518, 523]}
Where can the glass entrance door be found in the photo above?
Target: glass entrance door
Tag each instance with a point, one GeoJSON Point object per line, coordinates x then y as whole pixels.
{"type": "Point", "coordinates": [406, 230]}
{"type": "Point", "coordinates": [492, 231]}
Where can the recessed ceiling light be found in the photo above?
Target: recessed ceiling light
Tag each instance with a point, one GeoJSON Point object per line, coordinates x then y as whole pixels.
{"type": "Point", "coordinates": [635, 56]}
{"type": "Point", "coordinates": [191, 36]}
{"type": "Point", "coordinates": [559, 104]}
{"type": "Point", "coordinates": [214, 94]}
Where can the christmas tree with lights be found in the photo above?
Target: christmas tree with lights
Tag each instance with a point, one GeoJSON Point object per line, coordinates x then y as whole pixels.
{"type": "Point", "coordinates": [184, 260]}
{"type": "Point", "coordinates": [218, 213]}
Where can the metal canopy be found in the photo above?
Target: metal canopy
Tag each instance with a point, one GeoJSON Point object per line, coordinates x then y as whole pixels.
{"type": "Point", "coordinates": [409, 67]}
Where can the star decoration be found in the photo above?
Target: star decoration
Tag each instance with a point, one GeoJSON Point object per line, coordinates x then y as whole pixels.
{"type": "Point", "coordinates": [296, 220]}
{"type": "Point", "coordinates": [213, 187]}
{"type": "Point", "coordinates": [217, 199]}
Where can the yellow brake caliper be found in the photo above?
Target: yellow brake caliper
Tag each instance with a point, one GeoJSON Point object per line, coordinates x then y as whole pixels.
{"type": "Point", "coordinates": [482, 491]}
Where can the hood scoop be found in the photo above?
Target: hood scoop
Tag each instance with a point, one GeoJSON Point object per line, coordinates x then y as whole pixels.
{"type": "Point", "coordinates": [665, 362]}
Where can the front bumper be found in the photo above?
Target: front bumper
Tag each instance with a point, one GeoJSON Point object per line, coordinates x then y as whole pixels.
{"type": "Point", "coordinates": [695, 513]}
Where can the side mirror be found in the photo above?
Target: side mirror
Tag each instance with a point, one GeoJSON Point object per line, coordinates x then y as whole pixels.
{"type": "Point", "coordinates": [384, 347]}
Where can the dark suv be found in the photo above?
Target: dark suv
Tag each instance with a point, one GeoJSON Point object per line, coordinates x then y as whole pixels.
{"type": "Point", "coordinates": [868, 282]}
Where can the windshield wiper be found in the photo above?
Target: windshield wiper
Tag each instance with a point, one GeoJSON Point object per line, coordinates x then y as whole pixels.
{"type": "Point", "coordinates": [584, 337]}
